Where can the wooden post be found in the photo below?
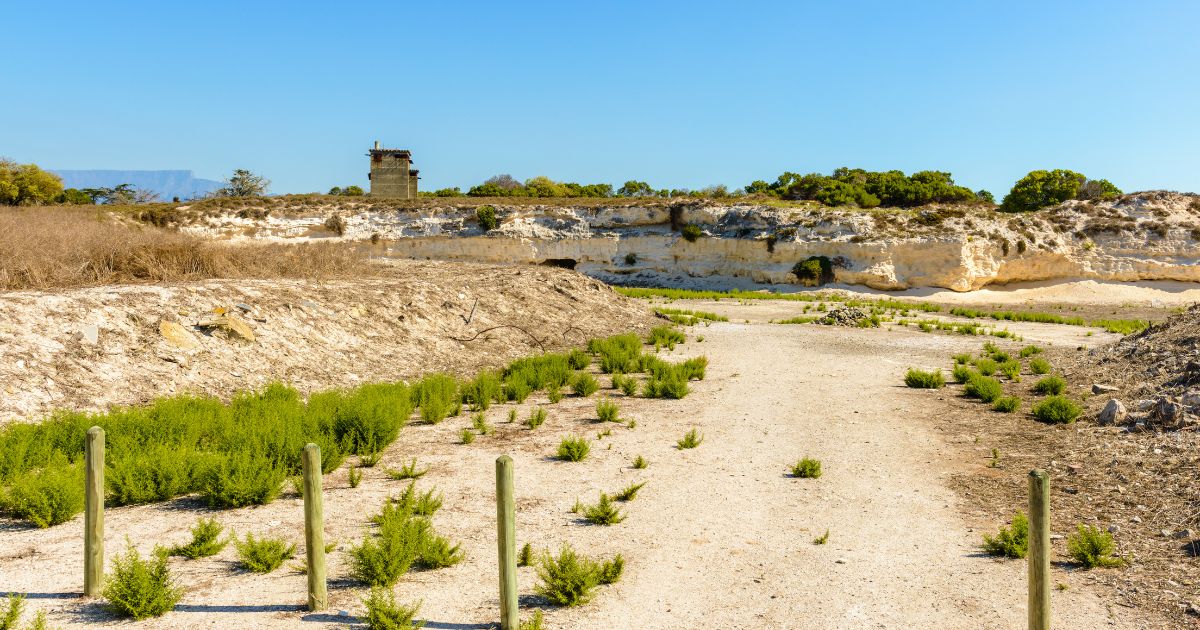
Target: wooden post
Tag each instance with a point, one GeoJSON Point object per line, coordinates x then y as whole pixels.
{"type": "Point", "coordinates": [506, 542]}
{"type": "Point", "coordinates": [1039, 550]}
{"type": "Point", "coordinates": [314, 528]}
{"type": "Point", "coordinates": [93, 514]}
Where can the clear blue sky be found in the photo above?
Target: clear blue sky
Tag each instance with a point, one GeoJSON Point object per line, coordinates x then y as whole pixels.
{"type": "Point", "coordinates": [683, 94]}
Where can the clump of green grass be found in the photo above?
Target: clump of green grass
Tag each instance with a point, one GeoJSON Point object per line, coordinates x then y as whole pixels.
{"type": "Point", "coordinates": [578, 359]}
{"type": "Point", "coordinates": [1012, 370]}
{"type": "Point", "coordinates": [525, 556]}
{"type": "Point", "coordinates": [570, 579]}
{"type": "Point", "coordinates": [1029, 351]}
{"type": "Point", "coordinates": [354, 476]}
{"type": "Point", "coordinates": [480, 393]}
{"type": "Point", "coordinates": [206, 540]}
{"type": "Point", "coordinates": [1006, 404]}
{"type": "Point", "coordinates": [534, 622]}
{"type": "Point", "coordinates": [640, 462]}
{"type": "Point", "coordinates": [408, 471]}
{"type": "Point", "coordinates": [962, 359]}
{"type": "Point", "coordinates": [629, 493]}
{"type": "Point", "coordinates": [607, 411]}
{"type": "Point", "coordinates": [573, 449]}
{"type": "Point", "coordinates": [1012, 541]}
{"type": "Point", "coordinates": [263, 555]}
{"type": "Point", "coordinates": [822, 539]}
{"type": "Point", "coordinates": [1051, 385]}
{"type": "Point", "coordinates": [604, 512]}
{"type": "Point", "coordinates": [665, 336]}
{"type": "Point", "coordinates": [512, 416]}
{"type": "Point", "coordinates": [370, 459]}
{"type": "Point", "coordinates": [466, 436]}
{"type": "Point", "coordinates": [986, 367]}
{"type": "Point", "coordinates": [585, 385]}
{"type": "Point", "coordinates": [537, 417]}
{"type": "Point", "coordinates": [383, 613]}
{"type": "Point", "coordinates": [1057, 410]}
{"type": "Point", "coordinates": [479, 422]}
{"type": "Point", "coordinates": [985, 388]}
{"type": "Point", "coordinates": [924, 380]}
{"type": "Point", "coordinates": [807, 468]}
{"type": "Point", "coordinates": [1092, 547]}
{"type": "Point", "coordinates": [1039, 366]}
{"type": "Point", "coordinates": [691, 439]}
{"type": "Point", "coordinates": [554, 394]}
{"type": "Point", "coordinates": [141, 589]}
{"type": "Point", "coordinates": [962, 373]}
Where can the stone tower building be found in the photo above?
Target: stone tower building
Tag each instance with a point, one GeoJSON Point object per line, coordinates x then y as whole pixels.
{"type": "Point", "coordinates": [390, 173]}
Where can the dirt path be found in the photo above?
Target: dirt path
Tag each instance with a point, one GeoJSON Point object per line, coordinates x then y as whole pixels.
{"type": "Point", "coordinates": [720, 537]}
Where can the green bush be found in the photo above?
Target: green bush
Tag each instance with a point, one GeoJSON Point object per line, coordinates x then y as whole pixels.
{"type": "Point", "coordinates": [618, 354]}
{"type": "Point", "coordinates": [1006, 404]}
{"type": "Point", "coordinates": [525, 556]}
{"type": "Point", "coordinates": [263, 555]}
{"type": "Point", "coordinates": [807, 468]}
{"type": "Point", "coordinates": [604, 512]}
{"type": "Point", "coordinates": [383, 613]}
{"type": "Point", "coordinates": [241, 478]}
{"type": "Point", "coordinates": [483, 390]}
{"type": "Point", "coordinates": [436, 395]}
{"type": "Point", "coordinates": [467, 436]}
{"type": "Point", "coordinates": [585, 385]}
{"type": "Point", "coordinates": [986, 367]}
{"type": "Point", "coordinates": [1092, 547]}
{"type": "Point", "coordinates": [1057, 410]}
{"type": "Point", "coordinates": [206, 540]}
{"type": "Point", "coordinates": [537, 417]}
{"type": "Point", "coordinates": [533, 623]}
{"type": "Point", "coordinates": [573, 449]}
{"type": "Point", "coordinates": [640, 462]}
{"type": "Point", "coordinates": [924, 380]}
{"type": "Point", "coordinates": [1012, 542]}
{"type": "Point", "coordinates": [486, 215]}
{"type": "Point", "coordinates": [1011, 369]}
{"type": "Point", "coordinates": [1052, 385]}
{"type": "Point", "coordinates": [691, 439]}
{"type": "Point", "coordinates": [139, 588]}
{"type": "Point", "coordinates": [962, 373]}
{"type": "Point", "coordinates": [1029, 351]}
{"type": "Point", "coordinates": [1040, 189]}
{"type": "Point", "coordinates": [1039, 366]}
{"type": "Point", "coordinates": [404, 539]}
{"type": "Point", "coordinates": [629, 493]}
{"type": "Point", "coordinates": [665, 336]}
{"type": "Point", "coordinates": [47, 497]}
{"type": "Point", "coordinates": [10, 614]}
{"type": "Point", "coordinates": [984, 388]}
{"type": "Point", "coordinates": [570, 579]}
{"type": "Point", "coordinates": [578, 359]}
{"type": "Point", "coordinates": [607, 411]}
{"type": "Point", "coordinates": [962, 359]}
{"type": "Point", "coordinates": [671, 385]}
{"type": "Point", "coordinates": [691, 232]}
{"type": "Point", "coordinates": [408, 471]}
{"type": "Point", "coordinates": [814, 271]}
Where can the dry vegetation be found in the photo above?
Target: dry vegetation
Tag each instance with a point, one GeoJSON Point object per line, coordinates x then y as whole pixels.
{"type": "Point", "coordinates": [54, 248]}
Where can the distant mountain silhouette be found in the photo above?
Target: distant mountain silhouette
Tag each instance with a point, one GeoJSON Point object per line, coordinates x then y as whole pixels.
{"type": "Point", "coordinates": [167, 184]}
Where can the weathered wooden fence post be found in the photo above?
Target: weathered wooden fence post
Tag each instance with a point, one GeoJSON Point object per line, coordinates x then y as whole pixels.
{"type": "Point", "coordinates": [506, 541]}
{"type": "Point", "coordinates": [314, 528]}
{"type": "Point", "coordinates": [1039, 550]}
{"type": "Point", "coordinates": [93, 514]}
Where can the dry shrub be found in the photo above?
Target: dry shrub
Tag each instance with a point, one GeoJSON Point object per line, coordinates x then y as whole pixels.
{"type": "Point", "coordinates": [51, 248]}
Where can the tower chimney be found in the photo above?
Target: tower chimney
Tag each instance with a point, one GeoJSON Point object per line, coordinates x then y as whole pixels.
{"type": "Point", "coordinates": [376, 145]}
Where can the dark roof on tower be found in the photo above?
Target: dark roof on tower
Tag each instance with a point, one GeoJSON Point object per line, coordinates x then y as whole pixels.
{"type": "Point", "coordinates": [399, 152]}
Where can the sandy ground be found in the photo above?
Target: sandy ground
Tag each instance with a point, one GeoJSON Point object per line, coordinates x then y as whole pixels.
{"type": "Point", "coordinates": [720, 537]}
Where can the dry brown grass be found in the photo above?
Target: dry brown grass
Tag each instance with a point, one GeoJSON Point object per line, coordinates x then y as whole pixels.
{"type": "Point", "coordinates": [44, 248]}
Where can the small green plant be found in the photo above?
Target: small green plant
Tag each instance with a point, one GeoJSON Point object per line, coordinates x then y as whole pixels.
{"type": "Point", "coordinates": [990, 348]}
{"type": "Point", "coordinates": [206, 540]}
{"type": "Point", "coordinates": [1057, 410]}
{"type": "Point", "coordinates": [604, 512]}
{"type": "Point", "coordinates": [986, 367]}
{"type": "Point", "coordinates": [554, 394]}
{"type": "Point", "coordinates": [525, 556]}
{"type": "Point", "coordinates": [408, 471]}
{"type": "Point", "coordinates": [665, 336]}
{"type": "Point", "coordinates": [691, 439]}
{"type": "Point", "coordinates": [607, 411]}
{"type": "Point", "coordinates": [632, 424]}
{"type": "Point", "coordinates": [479, 421]}
{"type": "Point", "coordinates": [141, 589]}
{"type": "Point", "coordinates": [578, 507]}
{"type": "Point", "coordinates": [822, 539]}
{"type": "Point", "coordinates": [1051, 385]}
{"type": "Point", "coordinates": [1006, 404]}
{"type": "Point", "coordinates": [383, 613]}
{"type": "Point", "coordinates": [962, 373]}
{"type": "Point", "coordinates": [629, 493]}
{"type": "Point", "coordinates": [263, 555]}
{"type": "Point", "coordinates": [573, 449]}
{"type": "Point", "coordinates": [603, 434]}
{"type": "Point", "coordinates": [994, 462]}
{"type": "Point", "coordinates": [10, 614]}
{"type": "Point", "coordinates": [640, 462]}
{"type": "Point", "coordinates": [807, 468]}
{"type": "Point", "coordinates": [691, 232]}
{"type": "Point", "coordinates": [535, 620]}
{"type": "Point", "coordinates": [629, 386]}
{"type": "Point", "coordinates": [537, 417]}
{"type": "Point", "coordinates": [924, 380]}
{"type": "Point", "coordinates": [569, 579]}
{"type": "Point", "coordinates": [985, 388]}
{"type": "Point", "coordinates": [1029, 351]}
{"type": "Point", "coordinates": [427, 503]}
{"type": "Point", "coordinates": [512, 416]}
{"type": "Point", "coordinates": [486, 216]}
{"type": "Point", "coordinates": [578, 359]}
{"type": "Point", "coordinates": [585, 385]}
{"type": "Point", "coordinates": [1039, 366]}
{"type": "Point", "coordinates": [1011, 369]}
{"type": "Point", "coordinates": [467, 436]}
{"type": "Point", "coordinates": [1092, 547]}
{"type": "Point", "coordinates": [48, 497]}
{"type": "Point", "coordinates": [369, 459]}
{"type": "Point", "coordinates": [962, 359]}
{"type": "Point", "coordinates": [1012, 541]}
{"type": "Point", "coordinates": [354, 476]}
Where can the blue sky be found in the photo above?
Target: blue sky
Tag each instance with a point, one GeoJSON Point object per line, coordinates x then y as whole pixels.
{"type": "Point", "coordinates": [683, 94]}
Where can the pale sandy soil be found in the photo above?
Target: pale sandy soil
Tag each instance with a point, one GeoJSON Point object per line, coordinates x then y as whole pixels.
{"type": "Point", "coordinates": [1079, 292]}
{"type": "Point", "coordinates": [720, 537]}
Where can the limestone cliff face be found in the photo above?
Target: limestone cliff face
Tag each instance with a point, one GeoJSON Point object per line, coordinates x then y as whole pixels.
{"type": "Point", "coordinates": [1143, 236]}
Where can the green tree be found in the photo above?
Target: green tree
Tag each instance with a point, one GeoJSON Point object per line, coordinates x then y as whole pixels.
{"type": "Point", "coordinates": [336, 190]}
{"type": "Point", "coordinates": [243, 183]}
{"type": "Point", "coordinates": [27, 184]}
{"type": "Point", "coordinates": [985, 196]}
{"type": "Point", "coordinates": [75, 197]}
{"type": "Point", "coordinates": [1040, 189]}
{"type": "Point", "coordinates": [757, 187]}
{"type": "Point", "coordinates": [634, 188]}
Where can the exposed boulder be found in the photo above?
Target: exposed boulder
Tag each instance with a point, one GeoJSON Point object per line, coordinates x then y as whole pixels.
{"type": "Point", "coordinates": [1113, 413]}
